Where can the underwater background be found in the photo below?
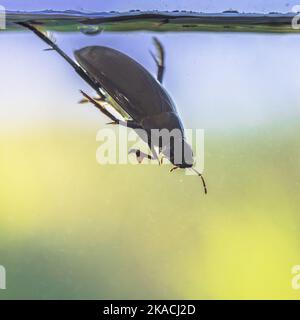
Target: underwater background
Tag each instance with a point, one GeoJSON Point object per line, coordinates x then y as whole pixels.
{"type": "Point", "coordinates": [73, 229]}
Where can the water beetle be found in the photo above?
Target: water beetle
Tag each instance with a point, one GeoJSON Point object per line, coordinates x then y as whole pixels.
{"type": "Point", "coordinates": [135, 91]}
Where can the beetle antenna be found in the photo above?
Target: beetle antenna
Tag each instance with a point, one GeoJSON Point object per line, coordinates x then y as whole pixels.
{"type": "Point", "coordinates": [201, 176]}
{"type": "Point", "coordinates": [174, 168]}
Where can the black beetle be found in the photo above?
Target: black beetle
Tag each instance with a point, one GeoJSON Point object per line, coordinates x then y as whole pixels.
{"type": "Point", "coordinates": [136, 92]}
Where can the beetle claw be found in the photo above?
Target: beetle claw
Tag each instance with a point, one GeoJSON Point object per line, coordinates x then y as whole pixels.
{"type": "Point", "coordinates": [113, 122]}
{"type": "Point", "coordinates": [161, 161]}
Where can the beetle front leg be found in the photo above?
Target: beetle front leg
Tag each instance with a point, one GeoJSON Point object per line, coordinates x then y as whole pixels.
{"type": "Point", "coordinates": [153, 151]}
{"type": "Point", "coordinates": [140, 156]}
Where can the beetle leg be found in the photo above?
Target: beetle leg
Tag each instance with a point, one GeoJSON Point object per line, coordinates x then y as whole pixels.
{"type": "Point", "coordinates": [99, 106]}
{"type": "Point", "coordinates": [155, 155]}
{"type": "Point", "coordinates": [85, 100]}
{"type": "Point", "coordinates": [140, 156]}
{"type": "Point", "coordinates": [159, 59]}
{"type": "Point", "coordinates": [161, 160]}
{"type": "Point", "coordinates": [153, 151]}
{"type": "Point", "coordinates": [130, 123]}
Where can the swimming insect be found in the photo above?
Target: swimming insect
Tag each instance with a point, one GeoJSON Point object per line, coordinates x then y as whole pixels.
{"type": "Point", "coordinates": [139, 98]}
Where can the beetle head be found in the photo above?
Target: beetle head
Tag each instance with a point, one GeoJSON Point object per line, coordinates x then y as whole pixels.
{"type": "Point", "coordinates": [180, 154]}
